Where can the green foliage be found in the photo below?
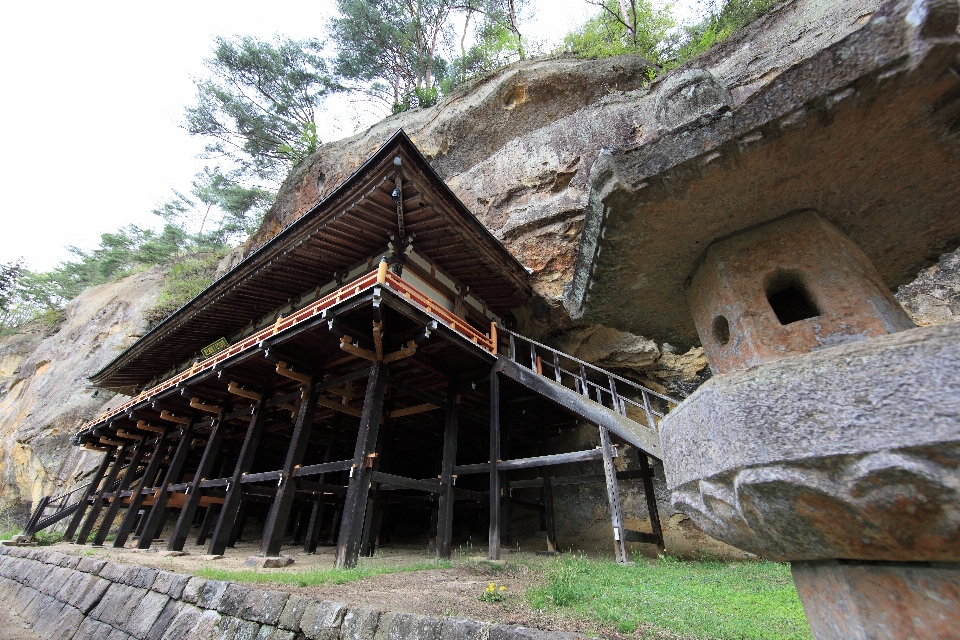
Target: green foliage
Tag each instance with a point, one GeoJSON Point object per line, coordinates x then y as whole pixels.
{"type": "Point", "coordinates": [700, 599]}
{"type": "Point", "coordinates": [391, 48]}
{"type": "Point", "coordinates": [258, 105]}
{"type": "Point", "coordinates": [315, 577]}
{"type": "Point", "coordinates": [724, 17]}
{"type": "Point", "coordinates": [184, 281]}
{"type": "Point", "coordinates": [47, 538]}
{"type": "Point", "coordinates": [644, 30]}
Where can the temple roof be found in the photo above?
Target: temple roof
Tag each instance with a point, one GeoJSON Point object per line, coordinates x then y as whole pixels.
{"type": "Point", "coordinates": [355, 221]}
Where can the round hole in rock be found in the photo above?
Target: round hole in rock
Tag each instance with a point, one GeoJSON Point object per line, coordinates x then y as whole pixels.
{"type": "Point", "coordinates": [721, 330]}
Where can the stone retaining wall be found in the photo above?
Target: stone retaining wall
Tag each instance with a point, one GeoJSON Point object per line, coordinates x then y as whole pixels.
{"type": "Point", "coordinates": [64, 596]}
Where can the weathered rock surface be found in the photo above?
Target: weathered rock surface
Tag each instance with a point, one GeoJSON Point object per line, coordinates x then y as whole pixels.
{"type": "Point", "coordinates": [43, 387]}
{"type": "Point", "coordinates": [934, 297]}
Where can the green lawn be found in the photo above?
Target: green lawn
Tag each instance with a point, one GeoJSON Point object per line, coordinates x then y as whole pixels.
{"type": "Point", "coordinates": [314, 577]}
{"type": "Point", "coordinates": [703, 599]}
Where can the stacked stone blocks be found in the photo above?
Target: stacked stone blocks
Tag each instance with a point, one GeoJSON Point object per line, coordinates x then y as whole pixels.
{"type": "Point", "coordinates": [66, 597]}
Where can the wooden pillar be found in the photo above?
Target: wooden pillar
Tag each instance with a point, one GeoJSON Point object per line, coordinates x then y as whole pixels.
{"type": "Point", "coordinates": [276, 523]}
{"type": "Point", "coordinates": [651, 499]}
{"type": "Point", "coordinates": [371, 522]}
{"type": "Point", "coordinates": [303, 515]}
{"type": "Point", "coordinates": [238, 524]}
{"type": "Point", "coordinates": [116, 502]}
{"type": "Point", "coordinates": [445, 514]}
{"type": "Point", "coordinates": [354, 506]}
{"type": "Point", "coordinates": [546, 491]}
{"type": "Point", "coordinates": [92, 488]}
{"type": "Point", "coordinates": [147, 480]}
{"type": "Point", "coordinates": [182, 529]}
{"type": "Point", "coordinates": [335, 523]}
{"type": "Point", "coordinates": [493, 544]}
{"type": "Point", "coordinates": [319, 504]}
{"type": "Point", "coordinates": [209, 518]}
{"type": "Point", "coordinates": [231, 503]}
{"type": "Point", "coordinates": [613, 496]}
{"type": "Point", "coordinates": [155, 517]}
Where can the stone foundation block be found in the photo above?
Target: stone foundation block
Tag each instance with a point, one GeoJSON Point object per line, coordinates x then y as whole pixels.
{"type": "Point", "coordinates": [211, 594]}
{"type": "Point", "coordinates": [117, 634]}
{"type": "Point", "coordinates": [91, 628]}
{"type": "Point", "coordinates": [879, 600]}
{"type": "Point", "coordinates": [139, 623]}
{"type": "Point", "coordinates": [268, 563]}
{"type": "Point", "coordinates": [322, 620]}
{"type": "Point", "coordinates": [273, 633]}
{"type": "Point", "coordinates": [166, 617]}
{"type": "Point", "coordinates": [47, 617]}
{"type": "Point", "coordinates": [463, 629]}
{"type": "Point", "coordinates": [91, 565]}
{"type": "Point", "coordinates": [205, 627]}
{"type": "Point", "coordinates": [264, 607]}
{"type": "Point", "coordinates": [359, 623]}
{"type": "Point", "coordinates": [237, 629]}
{"type": "Point", "coordinates": [293, 612]}
{"type": "Point", "coordinates": [113, 572]}
{"type": "Point", "coordinates": [181, 625]}
{"type": "Point", "coordinates": [144, 578]}
{"type": "Point", "coordinates": [191, 591]}
{"type": "Point", "coordinates": [407, 626]}
{"type": "Point", "coordinates": [31, 612]}
{"type": "Point", "coordinates": [231, 602]}
{"type": "Point", "coordinates": [69, 561]}
{"type": "Point", "coordinates": [66, 624]}
{"type": "Point", "coordinates": [513, 632]}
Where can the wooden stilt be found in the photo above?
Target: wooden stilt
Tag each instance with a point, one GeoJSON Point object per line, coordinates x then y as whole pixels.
{"type": "Point", "coordinates": [236, 532]}
{"type": "Point", "coordinates": [147, 480]}
{"type": "Point", "coordinates": [231, 503]}
{"type": "Point", "coordinates": [493, 548]}
{"type": "Point", "coordinates": [182, 529]}
{"type": "Point", "coordinates": [613, 496]}
{"type": "Point", "coordinates": [99, 500]}
{"type": "Point", "coordinates": [651, 499]}
{"type": "Point", "coordinates": [155, 516]}
{"type": "Point", "coordinates": [319, 504]}
{"type": "Point", "coordinates": [274, 527]}
{"type": "Point", "coordinates": [209, 519]}
{"type": "Point", "coordinates": [116, 502]}
{"type": "Point", "coordinates": [445, 513]}
{"type": "Point", "coordinates": [335, 524]}
{"type": "Point", "coordinates": [92, 488]}
{"type": "Point", "coordinates": [546, 491]}
{"type": "Point", "coordinates": [371, 522]}
{"type": "Point", "coordinates": [303, 515]}
{"type": "Point", "coordinates": [354, 506]}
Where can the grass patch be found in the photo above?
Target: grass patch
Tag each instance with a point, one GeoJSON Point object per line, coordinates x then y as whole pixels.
{"type": "Point", "coordinates": [316, 577]}
{"type": "Point", "coordinates": [735, 600]}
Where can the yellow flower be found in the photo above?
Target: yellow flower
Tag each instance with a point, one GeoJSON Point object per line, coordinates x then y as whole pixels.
{"type": "Point", "coordinates": [502, 588]}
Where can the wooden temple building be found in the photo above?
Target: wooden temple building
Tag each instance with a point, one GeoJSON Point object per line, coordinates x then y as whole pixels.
{"type": "Point", "coordinates": [352, 379]}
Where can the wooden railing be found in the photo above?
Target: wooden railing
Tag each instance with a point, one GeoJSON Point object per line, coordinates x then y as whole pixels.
{"type": "Point", "coordinates": [382, 276]}
{"type": "Point", "coordinates": [607, 389]}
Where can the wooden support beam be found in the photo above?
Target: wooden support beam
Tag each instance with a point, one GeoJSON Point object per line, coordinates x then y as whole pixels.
{"type": "Point", "coordinates": [115, 504]}
{"type": "Point", "coordinates": [346, 344]}
{"type": "Point", "coordinates": [112, 443]}
{"type": "Point", "coordinates": [187, 513]}
{"type": "Point", "coordinates": [351, 528]}
{"type": "Point", "coordinates": [339, 406]}
{"type": "Point", "coordinates": [409, 411]}
{"type": "Point", "coordinates": [118, 462]}
{"type": "Point", "coordinates": [546, 491]}
{"type": "Point", "coordinates": [318, 505]}
{"type": "Point", "coordinates": [430, 486]}
{"type": "Point", "coordinates": [538, 461]}
{"type": "Point", "coordinates": [209, 519]}
{"type": "Point", "coordinates": [445, 511]}
{"type": "Point", "coordinates": [153, 521]}
{"type": "Point", "coordinates": [146, 480]}
{"type": "Point", "coordinates": [129, 436]}
{"type": "Point", "coordinates": [169, 417]}
{"type": "Point", "coordinates": [92, 488]}
{"type": "Point", "coordinates": [199, 405]}
{"type": "Point", "coordinates": [235, 389]}
{"type": "Point", "coordinates": [372, 519]}
{"type": "Point", "coordinates": [652, 510]}
{"type": "Point", "coordinates": [613, 497]}
{"type": "Point", "coordinates": [284, 370]}
{"type": "Point", "coordinates": [276, 523]}
{"type": "Point", "coordinates": [143, 426]}
{"type": "Point", "coordinates": [231, 504]}
{"type": "Point", "coordinates": [493, 545]}
{"type": "Point", "coordinates": [408, 350]}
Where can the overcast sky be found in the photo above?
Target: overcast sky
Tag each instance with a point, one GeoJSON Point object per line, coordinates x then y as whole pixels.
{"type": "Point", "coordinates": [94, 102]}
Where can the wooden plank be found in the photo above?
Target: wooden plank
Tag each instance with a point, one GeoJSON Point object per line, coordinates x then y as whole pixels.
{"type": "Point", "coordinates": [355, 502]}
{"type": "Point", "coordinates": [85, 496]}
{"type": "Point", "coordinates": [98, 501]}
{"type": "Point", "coordinates": [264, 476]}
{"type": "Point", "coordinates": [153, 521]}
{"type": "Point", "coordinates": [613, 497]}
{"type": "Point", "coordinates": [181, 529]}
{"type": "Point", "coordinates": [326, 467]}
{"type": "Point", "coordinates": [636, 434]}
{"type": "Point", "coordinates": [430, 486]}
{"type": "Point", "coordinates": [493, 538]}
{"type": "Point", "coordinates": [445, 510]}
{"type": "Point", "coordinates": [128, 477]}
{"type": "Point", "coordinates": [529, 463]}
{"type": "Point", "coordinates": [231, 505]}
{"type": "Point", "coordinates": [279, 513]}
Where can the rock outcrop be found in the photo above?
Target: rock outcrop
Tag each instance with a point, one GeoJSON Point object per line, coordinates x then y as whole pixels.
{"type": "Point", "coordinates": [44, 393]}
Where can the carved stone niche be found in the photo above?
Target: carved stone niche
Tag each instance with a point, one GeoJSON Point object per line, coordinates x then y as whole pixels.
{"type": "Point", "coordinates": [787, 287]}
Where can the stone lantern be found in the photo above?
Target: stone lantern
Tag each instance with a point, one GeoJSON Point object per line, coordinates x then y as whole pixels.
{"type": "Point", "coordinates": [770, 222]}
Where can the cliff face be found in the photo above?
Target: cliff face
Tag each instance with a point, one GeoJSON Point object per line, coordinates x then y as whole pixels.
{"type": "Point", "coordinates": [43, 388]}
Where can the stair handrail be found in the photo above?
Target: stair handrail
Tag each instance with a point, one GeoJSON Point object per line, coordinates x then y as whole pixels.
{"type": "Point", "coordinates": [582, 384]}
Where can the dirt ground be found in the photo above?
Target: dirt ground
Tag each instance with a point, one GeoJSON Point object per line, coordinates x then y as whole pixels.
{"type": "Point", "coordinates": [451, 591]}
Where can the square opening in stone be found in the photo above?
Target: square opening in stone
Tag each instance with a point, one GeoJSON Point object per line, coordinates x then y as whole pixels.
{"type": "Point", "coordinates": [790, 300]}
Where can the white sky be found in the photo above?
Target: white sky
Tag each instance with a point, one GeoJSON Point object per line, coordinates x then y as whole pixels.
{"type": "Point", "coordinates": [95, 94]}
